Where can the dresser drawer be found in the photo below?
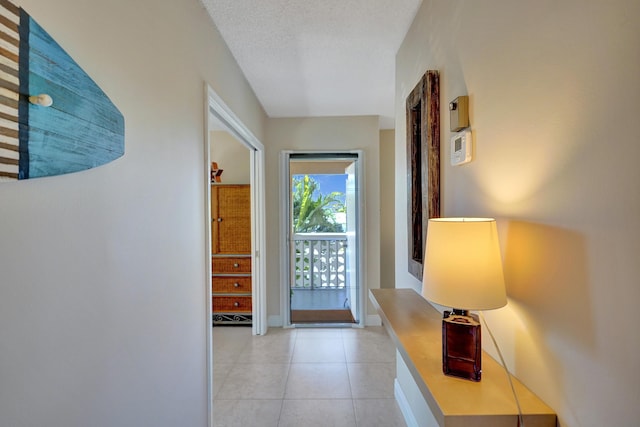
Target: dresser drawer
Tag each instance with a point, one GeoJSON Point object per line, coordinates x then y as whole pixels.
{"type": "Point", "coordinates": [231, 304]}
{"type": "Point", "coordinates": [231, 265]}
{"type": "Point", "coordinates": [228, 285]}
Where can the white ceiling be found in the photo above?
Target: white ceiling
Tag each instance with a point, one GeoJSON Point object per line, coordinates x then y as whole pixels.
{"type": "Point", "coordinates": [317, 57]}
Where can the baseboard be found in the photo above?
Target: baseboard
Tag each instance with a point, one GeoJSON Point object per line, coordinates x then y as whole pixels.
{"type": "Point", "coordinates": [274, 321]}
{"type": "Point", "coordinates": [403, 403]}
{"type": "Point", "coordinates": [373, 320]}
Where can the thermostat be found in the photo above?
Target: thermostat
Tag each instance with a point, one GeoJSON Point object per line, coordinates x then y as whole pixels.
{"type": "Point", "coordinates": [461, 145]}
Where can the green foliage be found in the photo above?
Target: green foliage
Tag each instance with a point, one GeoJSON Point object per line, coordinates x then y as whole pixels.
{"type": "Point", "coordinates": [315, 214]}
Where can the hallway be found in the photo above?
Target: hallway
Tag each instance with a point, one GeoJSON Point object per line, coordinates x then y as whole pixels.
{"type": "Point", "coordinates": [304, 377]}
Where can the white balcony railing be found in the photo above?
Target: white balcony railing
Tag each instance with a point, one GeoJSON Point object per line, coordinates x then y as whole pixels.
{"type": "Point", "coordinates": [320, 260]}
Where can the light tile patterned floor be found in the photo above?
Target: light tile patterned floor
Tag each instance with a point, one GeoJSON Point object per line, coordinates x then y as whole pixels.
{"type": "Point", "coordinates": [304, 378]}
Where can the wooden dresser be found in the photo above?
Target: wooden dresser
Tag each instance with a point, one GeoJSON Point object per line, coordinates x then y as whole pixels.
{"type": "Point", "coordinates": [231, 254]}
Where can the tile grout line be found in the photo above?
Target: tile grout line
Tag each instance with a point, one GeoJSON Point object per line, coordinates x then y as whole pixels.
{"type": "Point", "coordinates": [286, 381]}
{"type": "Point", "coordinates": [346, 362]}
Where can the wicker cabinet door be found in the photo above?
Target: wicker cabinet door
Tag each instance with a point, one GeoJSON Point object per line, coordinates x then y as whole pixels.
{"type": "Point", "coordinates": [231, 219]}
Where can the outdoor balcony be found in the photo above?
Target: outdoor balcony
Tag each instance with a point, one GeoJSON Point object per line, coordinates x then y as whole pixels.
{"type": "Point", "coordinates": [319, 272]}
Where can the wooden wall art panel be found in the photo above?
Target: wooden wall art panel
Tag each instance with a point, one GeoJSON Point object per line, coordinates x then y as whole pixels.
{"type": "Point", "coordinates": [80, 130]}
{"type": "Point", "coordinates": [423, 165]}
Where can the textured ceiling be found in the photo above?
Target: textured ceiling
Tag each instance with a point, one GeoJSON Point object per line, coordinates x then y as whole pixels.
{"type": "Point", "coordinates": [317, 57]}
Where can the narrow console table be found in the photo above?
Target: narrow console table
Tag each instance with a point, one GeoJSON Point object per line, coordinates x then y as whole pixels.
{"type": "Point", "coordinates": [429, 398]}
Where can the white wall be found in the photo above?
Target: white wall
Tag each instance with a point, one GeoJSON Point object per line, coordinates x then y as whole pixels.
{"type": "Point", "coordinates": [387, 209]}
{"type": "Point", "coordinates": [232, 156]}
{"type": "Point", "coordinates": [553, 92]}
{"type": "Point", "coordinates": [102, 295]}
{"type": "Point", "coordinates": [329, 133]}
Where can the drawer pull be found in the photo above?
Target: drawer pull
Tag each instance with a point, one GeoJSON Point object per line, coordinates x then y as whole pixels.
{"type": "Point", "coordinates": [236, 265]}
{"type": "Point", "coordinates": [236, 284]}
{"type": "Point", "coordinates": [236, 304]}
{"type": "Point", "coordinates": [219, 219]}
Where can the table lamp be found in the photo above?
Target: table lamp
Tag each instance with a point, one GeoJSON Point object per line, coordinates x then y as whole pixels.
{"type": "Point", "coordinates": [463, 270]}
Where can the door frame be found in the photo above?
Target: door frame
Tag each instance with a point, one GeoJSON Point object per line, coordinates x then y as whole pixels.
{"type": "Point", "coordinates": [214, 105]}
{"type": "Point", "coordinates": [285, 234]}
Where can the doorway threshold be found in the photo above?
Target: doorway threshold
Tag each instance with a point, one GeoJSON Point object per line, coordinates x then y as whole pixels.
{"type": "Point", "coordinates": [324, 325]}
{"type": "Point", "coordinates": [322, 316]}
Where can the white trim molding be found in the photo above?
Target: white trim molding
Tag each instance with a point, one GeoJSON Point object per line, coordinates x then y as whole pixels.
{"type": "Point", "coordinates": [216, 107]}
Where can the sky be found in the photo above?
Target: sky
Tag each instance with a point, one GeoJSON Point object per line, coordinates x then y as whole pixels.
{"type": "Point", "coordinates": [331, 183]}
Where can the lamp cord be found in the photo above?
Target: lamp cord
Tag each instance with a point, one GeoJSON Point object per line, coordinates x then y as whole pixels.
{"type": "Point", "coordinates": [504, 365]}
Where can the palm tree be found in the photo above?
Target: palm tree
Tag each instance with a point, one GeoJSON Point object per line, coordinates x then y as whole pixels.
{"type": "Point", "coordinates": [315, 215]}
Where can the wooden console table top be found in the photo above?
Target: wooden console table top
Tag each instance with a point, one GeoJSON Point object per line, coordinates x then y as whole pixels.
{"type": "Point", "coordinates": [416, 329]}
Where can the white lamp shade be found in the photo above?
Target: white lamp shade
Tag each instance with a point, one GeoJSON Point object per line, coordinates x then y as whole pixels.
{"type": "Point", "coordinates": [462, 264]}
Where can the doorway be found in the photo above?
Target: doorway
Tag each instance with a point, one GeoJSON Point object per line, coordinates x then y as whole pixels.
{"type": "Point", "coordinates": [218, 112]}
{"type": "Point", "coordinates": [323, 245]}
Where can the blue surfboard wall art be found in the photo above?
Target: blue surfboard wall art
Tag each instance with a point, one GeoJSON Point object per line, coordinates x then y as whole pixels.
{"type": "Point", "coordinates": [82, 129]}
